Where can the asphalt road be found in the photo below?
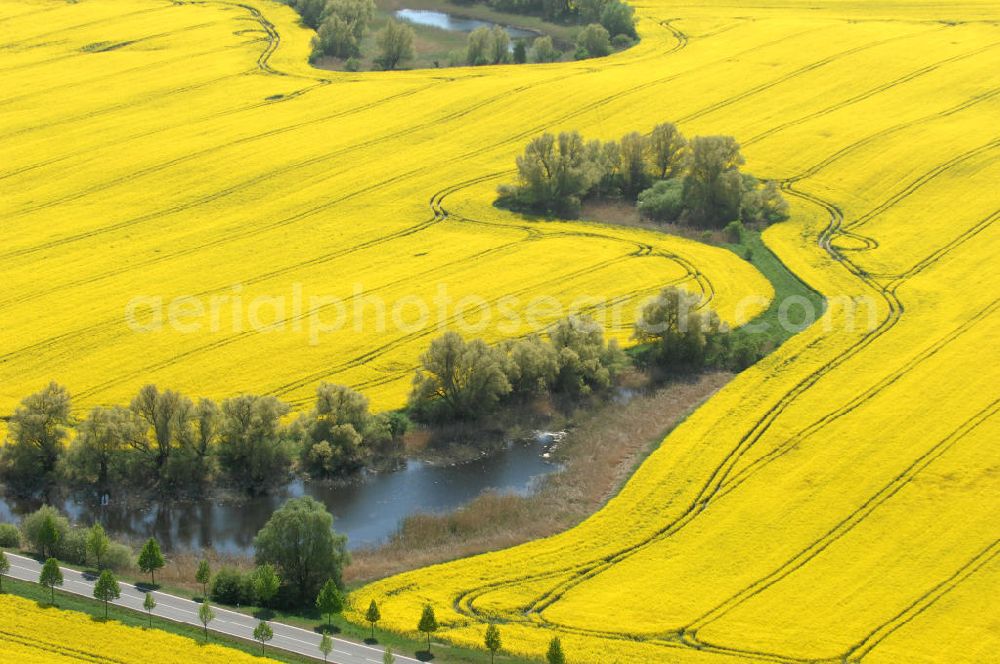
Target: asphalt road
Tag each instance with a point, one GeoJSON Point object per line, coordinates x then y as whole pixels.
{"type": "Point", "coordinates": [286, 637]}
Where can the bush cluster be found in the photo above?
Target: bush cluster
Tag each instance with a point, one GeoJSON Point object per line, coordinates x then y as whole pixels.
{"type": "Point", "coordinates": [166, 441]}
{"type": "Point", "coordinates": [463, 380]}
{"type": "Point", "coordinates": [695, 182]}
{"type": "Point", "coordinates": [231, 586]}
{"type": "Point", "coordinates": [683, 335]}
{"type": "Point", "coordinates": [339, 24]}
{"type": "Point", "coordinates": [615, 16]}
{"type": "Point", "coordinates": [10, 536]}
{"type": "Point", "coordinates": [49, 534]}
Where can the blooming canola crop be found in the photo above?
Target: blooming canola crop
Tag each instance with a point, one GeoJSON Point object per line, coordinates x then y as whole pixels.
{"type": "Point", "coordinates": [32, 634]}
{"type": "Point", "coordinates": [179, 163]}
{"type": "Point", "coordinates": [186, 202]}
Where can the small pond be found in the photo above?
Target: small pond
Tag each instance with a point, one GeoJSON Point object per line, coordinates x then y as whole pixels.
{"type": "Point", "coordinates": [445, 21]}
{"type": "Point", "coordinates": [367, 511]}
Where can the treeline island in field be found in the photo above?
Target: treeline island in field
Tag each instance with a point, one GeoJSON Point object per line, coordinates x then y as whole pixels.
{"type": "Point", "coordinates": [187, 203]}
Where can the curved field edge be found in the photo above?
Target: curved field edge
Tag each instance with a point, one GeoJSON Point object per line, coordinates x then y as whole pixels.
{"type": "Point", "coordinates": [624, 265]}
{"type": "Point", "coordinates": [541, 588]}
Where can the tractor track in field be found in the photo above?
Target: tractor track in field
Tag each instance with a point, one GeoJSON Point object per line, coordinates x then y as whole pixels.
{"type": "Point", "coordinates": [680, 37]}
{"type": "Point", "coordinates": [81, 53]}
{"type": "Point", "coordinates": [925, 178]}
{"type": "Point", "coordinates": [272, 39]}
{"type": "Point", "coordinates": [439, 215]}
{"type": "Point", "coordinates": [405, 373]}
{"type": "Point", "coordinates": [849, 522]}
{"type": "Point", "coordinates": [33, 13]}
{"type": "Point", "coordinates": [326, 205]}
{"type": "Point", "coordinates": [723, 480]}
{"type": "Point", "coordinates": [250, 182]}
{"type": "Point", "coordinates": [822, 62]}
{"type": "Point", "coordinates": [793, 442]}
{"type": "Point", "coordinates": [684, 638]}
{"type": "Point", "coordinates": [116, 75]}
{"type": "Point", "coordinates": [291, 167]}
{"type": "Point", "coordinates": [871, 640]}
{"type": "Point", "coordinates": [868, 94]}
{"type": "Point", "coordinates": [50, 342]}
{"type": "Point", "coordinates": [263, 65]}
{"type": "Point", "coordinates": [716, 480]}
{"type": "Point", "coordinates": [242, 109]}
{"type": "Point", "coordinates": [62, 30]}
{"type": "Point", "coordinates": [340, 152]}
{"type": "Point", "coordinates": [464, 602]}
{"type": "Point", "coordinates": [888, 131]}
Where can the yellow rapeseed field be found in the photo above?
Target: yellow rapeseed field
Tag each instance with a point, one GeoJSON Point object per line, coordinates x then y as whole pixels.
{"type": "Point", "coordinates": [835, 502]}
{"type": "Point", "coordinates": [31, 634]}
{"type": "Point", "coordinates": [186, 202]}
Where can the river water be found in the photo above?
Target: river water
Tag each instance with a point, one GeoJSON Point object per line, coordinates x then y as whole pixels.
{"type": "Point", "coordinates": [367, 511]}
{"type": "Point", "coordinates": [445, 21]}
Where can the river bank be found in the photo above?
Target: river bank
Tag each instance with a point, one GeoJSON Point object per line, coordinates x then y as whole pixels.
{"type": "Point", "coordinates": [435, 46]}
{"type": "Point", "coordinates": [603, 447]}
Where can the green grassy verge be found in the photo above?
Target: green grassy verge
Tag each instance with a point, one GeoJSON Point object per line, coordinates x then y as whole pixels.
{"type": "Point", "coordinates": [309, 620]}
{"type": "Point", "coordinates": [92, 607]}
{"type": "Point", "coordinates": [766, 328]}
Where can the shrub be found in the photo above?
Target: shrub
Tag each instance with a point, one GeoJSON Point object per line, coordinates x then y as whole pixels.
{"type": "Point", "coordinates": [743, 354]}
{"type": "Point", "coordinates": [395, 44]}
{"type": "Point", "coordinates": [344, 23]}
{"type": "Point", "coordinates": [458, 379]}
{"type": "Point", "coordinates": [533, 365]}
{"type": "Point", "coordinates": [44, 530]}
{"type": "Point", "coordinates": [617, 18]}
{"type": "Point", "coordinates": [554, 174]}
{"type": "Point", "coordinates": [118, 557]}
{"type": "Point", "coordinates": [232, 587]}
{"type": "Point", "coordinates": [335, 37]}
{"type": "Point", "coordinates": [352, 64]}
{"type": "Point", "coordinates": [542, 50]}
{"type": "Point", "coordinates": [762, 203]}
{"type": "Point", "coordinates": [621, 42]}
{"type": "Point", "coordinates": [10, 536]}
{"type": "Point", "coordinates": [734, 231]}
{"type": "Point", "coordinates": [253, 444]}
{"type": "Point", "coordinates": [73, 547]}
{"type": "Point", "coordinates": [300, 541]}
{"type": "Point", "coordinates": [594, 40]}
{"type": "Point", "coordinates": [713, 187]}
{"type": "Point", "coordinates": [664, 201]}
{"type": "Point", "coordinates": [479, 47]}
{"type": "Point", "coordinates": [520, 52]}
{"type": "Point", "coordinates": [684, 333]}
{"type": "Point", "coordinates": [586, 363]}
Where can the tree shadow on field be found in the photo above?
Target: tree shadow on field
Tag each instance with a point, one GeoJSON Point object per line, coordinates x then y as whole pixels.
{"type": "Point", "coordinates": [424, 655]}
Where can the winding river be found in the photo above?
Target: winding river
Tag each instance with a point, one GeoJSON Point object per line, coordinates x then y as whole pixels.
{"type": "Point", "coordinates": [368, 510]}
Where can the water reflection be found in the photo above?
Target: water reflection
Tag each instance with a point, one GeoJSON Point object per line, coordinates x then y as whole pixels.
{"type": "Point", "coordinates": [368, 510]}
{"type": "Point", "coordinates": [456, 23]}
